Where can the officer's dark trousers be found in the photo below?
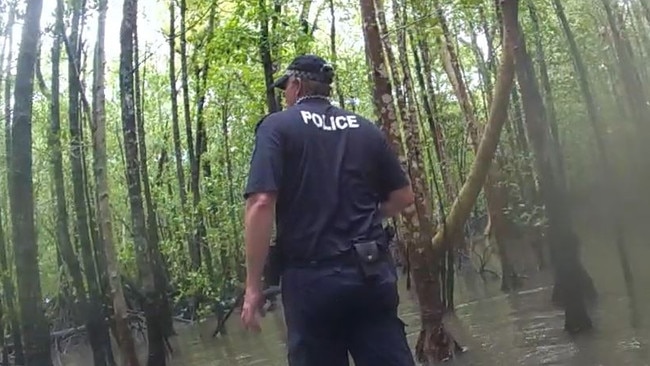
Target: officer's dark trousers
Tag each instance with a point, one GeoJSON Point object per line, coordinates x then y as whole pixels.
{"type": "Point", "coordinates": [331, 310]}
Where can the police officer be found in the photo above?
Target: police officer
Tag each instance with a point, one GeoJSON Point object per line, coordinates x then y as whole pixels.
{"type": "Point", "coordinates": [329, 178]}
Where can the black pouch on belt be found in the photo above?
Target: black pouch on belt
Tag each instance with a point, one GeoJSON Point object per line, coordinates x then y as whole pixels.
{"type": "Point", "coordinates": [368, 255]}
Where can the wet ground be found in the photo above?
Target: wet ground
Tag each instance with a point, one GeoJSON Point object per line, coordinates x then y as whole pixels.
{"type": "Point", "coordinates": [517, 329]}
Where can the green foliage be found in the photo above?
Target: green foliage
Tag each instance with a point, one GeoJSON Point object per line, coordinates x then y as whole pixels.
{"type": "Point", "coordinates": [235, 98]}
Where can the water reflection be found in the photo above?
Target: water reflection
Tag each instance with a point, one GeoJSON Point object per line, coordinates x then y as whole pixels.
{"type": "Point", "coordinates": [499, 329]}
{"type": "Point", "coordinates": [520, 329]}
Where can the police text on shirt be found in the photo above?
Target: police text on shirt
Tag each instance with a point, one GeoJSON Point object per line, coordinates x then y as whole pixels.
{"type": "Point", "coordinates": [331, 123]}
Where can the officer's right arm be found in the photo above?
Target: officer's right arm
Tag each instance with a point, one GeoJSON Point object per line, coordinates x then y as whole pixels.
{"type": "Point", "coordinates": [395, 187]}
{"type": "Point", "coordinates": [264, 180]}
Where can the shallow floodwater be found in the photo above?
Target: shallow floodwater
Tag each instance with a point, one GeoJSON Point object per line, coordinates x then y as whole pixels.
{"type": "Point", "coordinates": [516, 329]}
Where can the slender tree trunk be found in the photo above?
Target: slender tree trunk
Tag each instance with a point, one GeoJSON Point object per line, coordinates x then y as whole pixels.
{"type": "Point", "coordinates": [4, 361]}
{"type": "Point", "coordinates": [546, 83]}
{"type": "Point", "coordinates": [8, 92]}
{"type": "Point", "coordinates": [393, 71]}
{"type": "Point", "coordinates": [334, 56]}
{"type": "Point", "coordinates": [468, 194]}
{"type": "Point", "coordinates": [485, 68]}
{"type": "Point", "coordinates": [162, 283]}
{"type": "Point", "coordinates": [145, 262]}
{"type": "Point", "coordinates": [195, 249]}
{"type": "Point", "coordinates": [436, 128]}
{"type": "Point", "coordinates": [446, 268]}
{"type": "Point", "coordinates": [571, 278]}
{"type": "Point", "coordinates": [9, 297]}
{"type": "Point", "coordinates": [201, 149]}
{"type": "Point", "coordinates": [428, 103]}
{"type": "Point", "coordinates": [645, 5]}
{"type": "Point", "coordinates": [636, 96]}
{"type": "Point", "coordinates": [434, 343]}
{"type": "Point", "coordinates": [631, 16]}
{"type": "Point", "coordinates": [35, 331]}
{"type": "Point", "coordinates": [519, 132]}
{"type": "Point", "coordinates": [178, 154]}
{"type": "Point", "coordinates": [272, 103]}
{"type": "Point", "coordinates": [422, 228]}
{"type": "Point", "coordinates": [495, 192]}
{"type": "Point", "coordinates": [97, 334]}
{"type": "Point", "coordinates": [122, 332]}
{"type": "Point", "coordinates": [7, 282]}
{"type": "Point", "coordinates": [489, 32]}
{"type": "Point", "coordinates": [234, 219]}
{"type": "Point", "coordinates": [603, 155]}
{"type": "Point", "coordinates": [98, 331]}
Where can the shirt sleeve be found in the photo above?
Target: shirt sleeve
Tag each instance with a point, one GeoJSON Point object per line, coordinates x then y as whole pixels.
{"type": "Point", "coordinates": [265, 171]}
{"type": "Point", "coordinates": [391, 175]}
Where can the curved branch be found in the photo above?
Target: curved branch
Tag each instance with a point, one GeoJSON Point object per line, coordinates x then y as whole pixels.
{"type": "Point", "coordinates": [466, 199]}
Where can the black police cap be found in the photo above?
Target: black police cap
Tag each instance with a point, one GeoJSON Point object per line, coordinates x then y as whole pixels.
{"type": "Point", "coordinates": [310, 67]}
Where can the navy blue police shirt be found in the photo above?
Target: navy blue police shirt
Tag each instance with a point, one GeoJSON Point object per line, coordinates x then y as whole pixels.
{"type": "Point", "coordinates": [330, 169]}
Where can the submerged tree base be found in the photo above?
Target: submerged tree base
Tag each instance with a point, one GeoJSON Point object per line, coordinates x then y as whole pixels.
{"type": "Point", "coordinates": [157, 340]}
{"type": "Point", "coordinates": [577, 319]}
{"type": "Point", "coordinates": [584, 284]}
{"type": "Point", "coordinates": [435, 344]}
{"type": "Point", "coordinates": [511, 281]}
{"type": "Point", "coordinates": [573, 295]}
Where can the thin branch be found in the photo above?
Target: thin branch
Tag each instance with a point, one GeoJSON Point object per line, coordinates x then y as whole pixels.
{"type": "Point", "coordinates": [39, 76]}
{"type": "Point", "coordinates": [76, 77]}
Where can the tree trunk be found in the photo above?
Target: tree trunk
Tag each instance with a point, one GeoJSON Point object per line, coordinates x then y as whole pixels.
{"type": "Point", "coordinates": [603, 155]}
{"type": "Point", "coordinates": [161, 281]}
{"type": "Point", "coordinates": [634, 11]}
{"type": "Point", "coordinates": [379, 21]}
{"type": "Point", "coordinates": [572, 280]}
{"type": "Point", "coordinates": [519, 134]}
{"type": "Point", "coordinates": [122, 332]}
{"type": "Point", "coordinates": [9, 298]}
{"type": "Point", "coordinates": [234, 218]}
{"type": "Point", "coordinates": [272, 103]}
{"type": "Point", "coordinates": [4, 361]}
{"type": "Point", "coordinates": [97, 328]}
{"type": "Point", "coordinates": [633, 88]}
{"type": "Point", "coordinates": [98, 331]}
{"type": "Point", "coordinates": [485, 70]}
{"type": "Point", "coordinates": [178, 148]}
{"type": "Point", "coordinates": [428, 103]}
{"type": "Point", "coordinates": [446, 260]}
{"type": "Point", "coordinates": [35, 331]}
{"type": "Point", "coordinates": [428, 267]}
{"type": "Point", "coordinates": [8, 92]}
{"type": "Point", "coordinates": [436, 128]}
{"type": "Point", "coordinates": [466, 198]}
{"type": "Point", "coordinates": [435, 343]}
{"type": "Point", "coordinates": [334, 56]}
{"type": "Point", "coordinates": [645, 5]}
{"type": "Point", "coordinates": [546, 83]}
{"type": "Point", "coordinates": [495, 192]}
{"type": "Point", "coordinates": [7, 270]}
{"type": "Point", "coordinates": [195, 249]}
{"type": "Point", "coordinates": [201, 148]}
{"type": "Point", "coordinates": [144, 260]}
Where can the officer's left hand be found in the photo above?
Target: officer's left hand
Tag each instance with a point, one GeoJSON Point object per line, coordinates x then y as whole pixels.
{"type": "Point", "coordinates": [250, 314]}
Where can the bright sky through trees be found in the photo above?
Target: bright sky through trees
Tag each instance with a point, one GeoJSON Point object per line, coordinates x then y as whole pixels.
{"type": "Point", "coordinates": [153, 19]}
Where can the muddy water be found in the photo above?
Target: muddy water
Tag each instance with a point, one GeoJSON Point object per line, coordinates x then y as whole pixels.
{"type": "Point", "coordinates": [518, 329]}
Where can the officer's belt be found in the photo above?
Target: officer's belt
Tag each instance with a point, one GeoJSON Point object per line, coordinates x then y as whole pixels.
{"type": "Point", "coordinates": [343, 258]}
